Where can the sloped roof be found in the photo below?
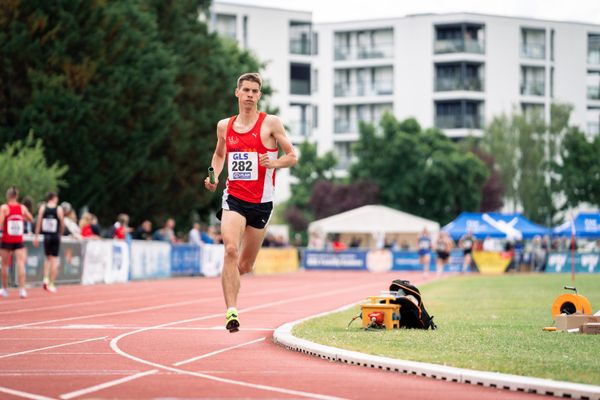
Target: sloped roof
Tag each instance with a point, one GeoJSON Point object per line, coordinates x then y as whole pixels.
{"type": "Point", "coordinates": [373, 219]}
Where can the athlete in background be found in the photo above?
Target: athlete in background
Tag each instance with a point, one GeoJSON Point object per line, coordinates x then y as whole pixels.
{"type": "Point", "coordinates": [424, 246]}
{"type": "Point", "coordinates": [51, 223]}
{"type": "Point", "coordinates": [250, 143]}
{"type": "Point", "coordinates": [13, 216]}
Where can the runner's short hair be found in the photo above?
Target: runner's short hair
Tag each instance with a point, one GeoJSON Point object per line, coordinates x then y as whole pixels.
{"type": "Point", "coordinates": [250, 76]}
{"type": "Point", "coordinates": [12, 193]}
{"type": "Point", "coordinates": [51, 196]}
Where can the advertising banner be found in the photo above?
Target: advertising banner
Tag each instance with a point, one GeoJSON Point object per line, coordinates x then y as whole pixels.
{"type": "Point", "coordinates": [584, 262]}
{"type": "Point", "coordinates": [346, 260]}
{"type": "Point", "coordinates": [69, 267]}
{"type": "Point", "coordinates": [185, 260]}
{"type": "Point", "coordinates": [409, 261]}
{"type": "Point", "coordinates": [211, 259]}
{"type": "Point", "coordinates": [274, 260]}
{"type": "Point", "coordinates": [491, 262]}
{"type": "Point", "coordinates": [150, 259]}
{"type": "Point", "coordinates": [105, 261]}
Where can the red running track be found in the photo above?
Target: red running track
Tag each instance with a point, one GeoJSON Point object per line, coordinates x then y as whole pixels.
{"type": "Point", "coordinates": [165, 339]}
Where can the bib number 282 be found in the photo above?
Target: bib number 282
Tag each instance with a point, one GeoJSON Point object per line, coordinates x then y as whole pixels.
{"type": "Point", "coordinates": [243, 166]}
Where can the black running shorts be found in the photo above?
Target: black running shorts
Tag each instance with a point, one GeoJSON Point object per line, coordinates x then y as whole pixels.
{"type": "Point", "coordinates": [51, 245]}
{"type": "Point", "coordinates": [257, 214]}
{"type": "Point", "coordinates": [11, 246]}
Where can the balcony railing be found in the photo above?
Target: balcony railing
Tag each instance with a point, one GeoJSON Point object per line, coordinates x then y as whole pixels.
{"type": "Point", "coordinates": [593, 92]}
{"type": "Point", "coordinates": [533, 89]}
{"type": "Point", "coordinates": [533, 50]}
{"type": "Point", "coordinates": [443, 46]}
{"type": "Point", "coordinates": [378, 88]}
{"type": "Point", "coordinates": [593, 128]}
{"type": "Point", "coordinates": [300, 127]}
{"type": "Point", "coordinates": [380, 50]}
{"type": "Point", "coordinates": [458, 121]}
{"type": "Point", "coordinates": [300, 46]}
{"type": "Point", "coordinates": [299, 86]}
{"type": "Point", "coordinates": [593, 57]}
{"type": "Point", "coordinates": [449, 84]}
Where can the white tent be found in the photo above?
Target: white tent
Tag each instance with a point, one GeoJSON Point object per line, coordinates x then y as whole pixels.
{"type": "Point", "coordinates": [372, 223]}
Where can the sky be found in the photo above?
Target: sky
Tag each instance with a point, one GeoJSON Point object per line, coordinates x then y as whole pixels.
{"type": "Point", "coordinates": [347, 10]}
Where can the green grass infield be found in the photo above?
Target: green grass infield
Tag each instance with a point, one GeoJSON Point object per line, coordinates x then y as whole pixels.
{"type": "Point", "coordinates": [486, 323]}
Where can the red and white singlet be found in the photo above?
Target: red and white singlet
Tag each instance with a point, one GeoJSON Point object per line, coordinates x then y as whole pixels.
{"type": "Point", "coordinates": [247, 179]}
{"type": "Point", "coordinates": [14, 225]}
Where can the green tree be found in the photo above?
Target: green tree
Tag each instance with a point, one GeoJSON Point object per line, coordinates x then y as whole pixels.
{"type": "Point", "coordinates": [418, 171]}
{"type": "Point", "coordinates": [23, 164]}
{"type": "Point", "coordinates": [579, 169]}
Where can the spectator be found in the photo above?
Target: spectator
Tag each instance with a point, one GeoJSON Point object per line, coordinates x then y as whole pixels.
{"type": "Point", "coordinates": [71, 226]}
{"type": "Point", "coordinates": [122, 230]}
{"type": "Point", "coordinates": [208, 234]}
{"type": "Point", "coordinates": [337, 244]}
{"type": "Point", "coordinates": [166, 233]}
{"type": "Point", "coordinates": [316, 241]}
{"type": "Point", "coordinates": [488, 244]}
{"type": "Point", "coordinates": [194, 236]}
{"type": "Point", "coordinates": [85, 226]}
{"type": "Point", "coordinates": [28, 202]}
{"type": "Point", "coordinates": [144, 231]}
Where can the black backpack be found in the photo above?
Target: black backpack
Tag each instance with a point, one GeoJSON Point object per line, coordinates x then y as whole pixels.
{"type": "Point", "coordinates": [413, 314]}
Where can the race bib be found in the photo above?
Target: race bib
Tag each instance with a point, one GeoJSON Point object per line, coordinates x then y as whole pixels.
{"type": "Point", "coordinates": [49, 225]}
{"type": "Point", "coordinates": [243, 166]}
{"type": "Point", "coordinates": [423, 244]}
{"type": "Point", "coordinates": [15, 227]}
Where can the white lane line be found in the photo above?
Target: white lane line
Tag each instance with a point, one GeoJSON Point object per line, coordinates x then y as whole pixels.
{"type": "Point", "coordinates": [191, 360]}
{"type": "Point", "coordinates": [121, 328]}
{"type": "Point", "coordinates": [51, 347]}
{"type": "Point", "coordinates": [119, 381]}
{"type": "Point", "coordinates": [106, 385]}
{"type": "Point", "coordinates": [115, 346]}
{"type": "Point", "coordinates": [131, 311]}
{"type": "Point", "coordinates": [25, 395]}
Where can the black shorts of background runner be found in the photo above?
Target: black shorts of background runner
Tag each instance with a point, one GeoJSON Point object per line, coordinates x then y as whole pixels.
{"type": "Point", "coordinates": [11, 246]}
{"type": "Point", "coordinates": [257, 214]}
{"type": "Point", "coordinates": [443, 255]}
{"type": "Point", "coordinates": [51, 245]}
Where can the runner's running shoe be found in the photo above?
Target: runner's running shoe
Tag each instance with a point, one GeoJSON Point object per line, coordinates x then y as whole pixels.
{"type": "Point", "coordinates": [51, 288]}
{"type": "Point", "coordinates": [4, 293]}
{"type": "Point", "coordinates": [23, 293]}
{"type": "Point", "coordinates": [233, 323]}
{"type": "Point", "coordinates": [46, 280]}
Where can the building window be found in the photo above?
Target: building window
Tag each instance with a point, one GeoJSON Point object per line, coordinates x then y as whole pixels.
{"type": "Point", "coordinates": [533, 81]}
{"type": "Point", "coordinates": [300, 37]}
{"type": "Point", "coordinates": [347, 118]}
{"type": "Point", "coordinates": [366, 44]}
{"type": "Point", "coordinates": [459, 76]}
{"type": "Point", "coordinates": [343, 150]}
{"type": "Point", "coordinates": [300, 79]}
{"type": "Point", "coordinates": [245, 31]}
{"type": "Point", "coordinates": [532, 112]}
{"type": "Point", "coordinates": [301, 122]}
{"type": "Point", "coordinates": [459, 38]}
{"type": "Point", "coordinates": [593, 49]}
{"type": "Point", "coordinates": [533, 43]}
{"type": "Point", "coordinates": [593, 85]}
{"type": "Point", "coordinates": [459, 114]}
{"type": "Point", "coordinates": [373, 81]}
{"type": "Point", "coordinates": [226, 26]}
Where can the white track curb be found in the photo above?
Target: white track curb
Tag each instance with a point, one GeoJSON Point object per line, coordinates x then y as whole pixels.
{"type": "Point", "coordinates": [283, 336]}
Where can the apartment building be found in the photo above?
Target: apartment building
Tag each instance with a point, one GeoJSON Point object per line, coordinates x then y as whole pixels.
{"type": "Point", "coordinates": [452, 71]}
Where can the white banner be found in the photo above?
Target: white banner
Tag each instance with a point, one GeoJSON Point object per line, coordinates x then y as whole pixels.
{"type": "Point", "coordinates": [105, 261]}
{"type": "Point", "coordinates": [150, 259]}
{"type": "Point", "coordinates": [211, 259]}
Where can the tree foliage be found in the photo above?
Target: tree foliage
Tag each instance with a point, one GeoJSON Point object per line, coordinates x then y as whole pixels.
{"type": "Point", "coordinates": [330, 198]}
{"type": "Point", "coordinates": [127, 94]}
{"type": "Point", "coordinates": [22, 164]}
{"type": "Point", "coordinates": [418, 171]}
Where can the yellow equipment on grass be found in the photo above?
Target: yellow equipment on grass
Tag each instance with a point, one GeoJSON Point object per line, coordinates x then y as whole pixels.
{"type": "Point", "coordinates": [378, 312]}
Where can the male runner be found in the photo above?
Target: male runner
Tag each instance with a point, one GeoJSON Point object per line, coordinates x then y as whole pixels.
{"type": "Point", "coordinates": [250, 141]}
{"type": "Point", "coordinates": [12, 220]}
{"type": "Point", "coordinates": [51, 223]}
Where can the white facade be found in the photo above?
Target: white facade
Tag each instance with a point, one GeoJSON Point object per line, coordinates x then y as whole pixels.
{"type": "Point", "coordinates": [453, 71]}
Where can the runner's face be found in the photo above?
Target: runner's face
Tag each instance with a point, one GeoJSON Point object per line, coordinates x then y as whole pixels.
{"type": "Point", "coordinates": [248, 94]}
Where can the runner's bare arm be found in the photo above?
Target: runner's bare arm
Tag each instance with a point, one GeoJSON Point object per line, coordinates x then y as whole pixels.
{"type": "Point", "coordinates": [38, 223]}
{"type": "Point", "coordinates": [61, 220]}
{"type": "Point", "coordinates": [2, 215]}
{"type": "Point", "coordinates": [289, 158]}
{"type": "Point", "coordinates": [218, 158]}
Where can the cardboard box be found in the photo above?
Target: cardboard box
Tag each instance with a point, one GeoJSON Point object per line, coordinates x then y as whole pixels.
{"type": "Point", "coordinates": [565, 322]}
{"type": "Point", "coordinates": [591, 328]}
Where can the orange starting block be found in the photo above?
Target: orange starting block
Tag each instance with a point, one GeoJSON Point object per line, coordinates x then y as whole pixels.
{"type": "Point", "coordinates": [379, 312]}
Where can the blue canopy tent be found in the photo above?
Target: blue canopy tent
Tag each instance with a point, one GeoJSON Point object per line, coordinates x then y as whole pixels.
{"type": "Point", "coordinates": [477, 223]}
{"type": "Point", "coordinates": [525, 227]}
{"type": "Point", "coordinates": [584, 225]}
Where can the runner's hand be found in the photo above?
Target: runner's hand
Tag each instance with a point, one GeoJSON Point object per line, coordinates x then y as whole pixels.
{"type": "Point", "coordinates": [265, 161]}
{"type": "Point", "coordinates": [211, 186]}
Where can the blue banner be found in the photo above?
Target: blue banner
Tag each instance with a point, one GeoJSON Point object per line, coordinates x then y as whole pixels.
{"type": "Point", "coordinates": [409, 261]}
{"type": "Point", "coordinates": [584, 262]}
{"type": "Point", "coordinates": [185, 260]}
{"type": "Point", "coordinates": [346, 260]}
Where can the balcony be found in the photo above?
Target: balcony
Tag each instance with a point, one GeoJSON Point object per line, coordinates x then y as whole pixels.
{"type": "Point", "coordinates": [299, 127]}
{"type": "Point", "coordinates": [533, 89]}
{"type": "Point", "coordinates": [533, 50]}
{"type": "Point", "coordinates": [446, 46]}
{"type": "Point", "coordinates": [377, 88]}
{"type": "Point", "coordinates": [381, 50]}
{"type": "Point", "coordinates": [593, 92]}
{"type": "Point", "coordinates": [593, 129]}
{"type": "Point", "coordinates": [300, 46]}
{"type": "Point", "coordinates": [459, 121]}
{"type": "Point", "coordinates": [345, 126]}
{"type": "Point", "coordinates": [450, 84]}
{"type": "Point", "coordinates": [593, 57]}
